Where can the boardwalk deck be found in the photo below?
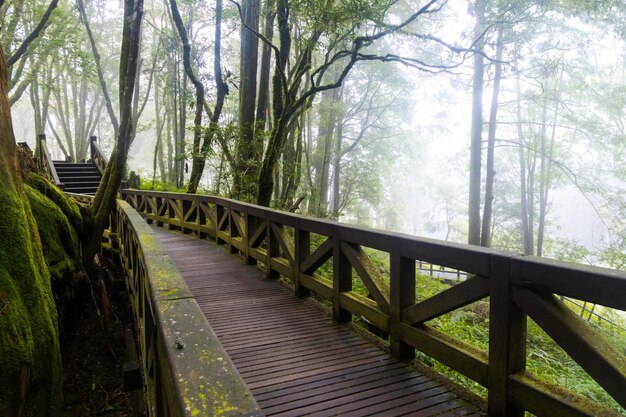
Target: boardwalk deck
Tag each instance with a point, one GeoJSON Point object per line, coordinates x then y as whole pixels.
{"type": "Point", "coordinates": [293, 358]}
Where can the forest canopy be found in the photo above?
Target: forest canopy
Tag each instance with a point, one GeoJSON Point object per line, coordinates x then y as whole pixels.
{"type": "Point", "coordinates": [488, 122]}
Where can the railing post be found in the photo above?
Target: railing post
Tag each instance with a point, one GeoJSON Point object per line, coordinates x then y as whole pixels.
{"type": "Point", "coordinates": [233, 232]}
{"type": "Point", "coordinates": [40, 138]}
{"type": "Point", "coordinates": [302, 251]}
{"type": "Point", "coordinates": [402, 295]}
{"type": "Point", "coordinates": [171, 213]}
{"type": "Point", "coordinates": [507, 339]}
{"type": "Point", "coordinates": [250, 226]}
{"type": "Point", "coordinates": [201, 218]}
{"type": "Point", "coordinates": [342, 279]}
{"type": "Point", "coordinates": [273, 250]}
{"type": "Point", "coordinates": [158, 205]}
{"type": "Point", "coordinates": [92, 149]}
{"type": "Point", "coordinates": [189, 216]}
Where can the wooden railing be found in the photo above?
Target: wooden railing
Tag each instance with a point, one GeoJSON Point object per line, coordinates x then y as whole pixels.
{"type": "Point", "coordinates": [45, 162]}
{"type": "Point", "coordinates": [97, 156]}
{"type": "Point", "coordinates": [186, 371]}
{"type": "Point", "coordinates": [517, 286]}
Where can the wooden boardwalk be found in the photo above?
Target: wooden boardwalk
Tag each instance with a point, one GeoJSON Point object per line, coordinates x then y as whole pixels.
{"type": "Point", "coordinates": [293, 358]}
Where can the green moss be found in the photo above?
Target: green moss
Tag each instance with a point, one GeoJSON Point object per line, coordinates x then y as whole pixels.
{"type": "Point", "coordinates": [68, 206]}
{"type": "Point", "coordinates": [61, 246]}
{"type": "Point", "coordinates": [29, 347]}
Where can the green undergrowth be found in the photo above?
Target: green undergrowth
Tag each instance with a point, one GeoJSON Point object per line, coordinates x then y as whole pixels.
{"type": "Point", "coordinates": [160, 186]}
{"type": "Point", "coordinates": [470, 324]}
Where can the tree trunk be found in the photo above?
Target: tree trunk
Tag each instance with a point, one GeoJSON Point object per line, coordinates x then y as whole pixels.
{"type": "Point", "coordinates": [30, 359]}
{"type": "Point", "coordinates": [197, 157]}
{"type": "Point", "coordinates": [266, 175]}
{"type": "Point", "coordinates": [247, 152]}
{"type": "Point", "coordinates": [264, 75]}
{"type": "Point", "coordinates": [527, 233]}
{"type": "Point", "coordinates": [545, 171]}
{"type": "Point", "coordinates": [337, 169]}
{"type": "Point", "coordinates": [323, 150]}
{"type": "Point", "coordinates": [220, 86]}
{"type": "Point", "coordinates": [485, 238]}
{"type": "Point", "coordinates": [104, 201]}
{"type": "Point", "coordinates": [473, 237]}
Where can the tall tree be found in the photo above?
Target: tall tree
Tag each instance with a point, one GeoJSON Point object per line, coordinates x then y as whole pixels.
{"type": "Point", "coordinates": [29, 347]}
{"type": "Point", "coordinates": [249, 145]}
{"type": "Point", "coordinates": [473, 234]}
{"type": "Point", "coordinates": [334, 24]}
{"type": "Point", "coordinates": [104, 201]}
{"type": "Point", "coordinates": [485, 237]}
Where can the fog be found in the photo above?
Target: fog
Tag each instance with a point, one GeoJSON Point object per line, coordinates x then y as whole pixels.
{"type": "Point", "coordinates": [561, 64]}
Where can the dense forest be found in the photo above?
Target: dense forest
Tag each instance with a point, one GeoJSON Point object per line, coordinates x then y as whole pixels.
{"type": "Point", "coordinates": [493, 123]}
{"type": "Point", "coordinates": [352, 113]}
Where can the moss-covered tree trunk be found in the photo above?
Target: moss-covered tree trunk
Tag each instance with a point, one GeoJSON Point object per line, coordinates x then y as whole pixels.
{"type": "Point", "coordinates": [30, 361]}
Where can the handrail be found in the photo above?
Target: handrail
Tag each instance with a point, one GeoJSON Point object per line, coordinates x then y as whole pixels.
{"type": "Point", "coordinates": [45, 162]}
{"type": "Point", "coordinates": [97, 156]}
{"type": "Point", "coordinates": [186, 371]}
{"type": "Point", "coordinates": [517, 286]}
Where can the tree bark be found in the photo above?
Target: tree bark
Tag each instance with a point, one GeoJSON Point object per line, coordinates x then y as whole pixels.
{"type": "Point", "coordinates": [197, 157]}
{"type": "Point", "coordinates": [30, 358]}
{"type": "Point", "coordinates": [527, 233]}
{"type": "Point", "coordinates": [473, 236]}
{"type": "Point", "coordinates": [485, 238]}
{"type": "Point", "coordinates": [247, 155]}
{"type": "Point", "coordinates": [264, 76]}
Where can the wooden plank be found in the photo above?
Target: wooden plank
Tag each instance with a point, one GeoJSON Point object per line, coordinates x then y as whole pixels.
{"type": "Point", "coordinates": [447, 351]}
{"type": "Point", "coordinates": [287, 351]}
{"type": "Point", "coordinates": [347, 404]}
{"type": "Point", "coordinates": [435, 405]}
{"type": "Point", "coordinates": [364, 307]}
{"type": "Point", "coordinates": [282, 266]}
{"type": "Point", "coordinates": [302, 251]}
{"type": "Point", "coordinates": [507, 351]}
{"type": "Point", "coordinates": [592, 284]}
{"type": "Point", "coordinates": [343, 374]}
{"type": "Point", "coordinates": [285, 241]}
{"type": "Point", "coordinates": [589, 349]}
{"type": "Point", "coordinates": [319, 256]}
{"type": "Point", "coordinates": [376, 284]}
{"type": "Point", "coordinates": [342, 282]}
{"type": "Point", "coordinates": [473, 259]}
{"type": "Point", "coordinates": [295, 392]}
{"type": "Point", "coordinates": [534, 398]}
{"type": "Point", "coordinates": [453, 298]}
{"type": "Point", "coordinates": [259, 234]}
{"type": "Point", "coordinates": [338, 396]}
{"type": "Point", "coordinates": [321, 286]}
{"type": "Point", "coordinates": [401, 296]}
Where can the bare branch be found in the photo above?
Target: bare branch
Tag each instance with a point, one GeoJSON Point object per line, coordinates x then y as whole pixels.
{"type": "Point", "coordinates": [33, 35]}
{"type": "Point", "coordinates": [96, 57]}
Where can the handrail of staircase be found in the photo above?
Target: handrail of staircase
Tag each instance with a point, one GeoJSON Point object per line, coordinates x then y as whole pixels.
{"type": "Point", "coordinates": [97, 156]}
{"type": "Point", "coordinates": [45, 162]}
{"type": "Point", "coordinates": [518, 287]}
{"type": "Point", "coordinates": [185, 369]}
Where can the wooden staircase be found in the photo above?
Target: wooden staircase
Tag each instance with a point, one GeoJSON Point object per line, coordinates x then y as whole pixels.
{"type": "Point", "coordinates": [79, 178]}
